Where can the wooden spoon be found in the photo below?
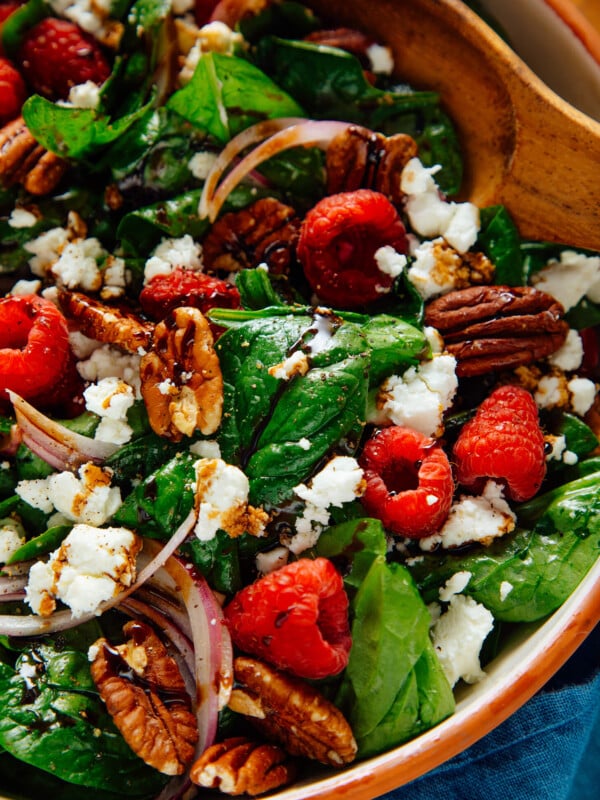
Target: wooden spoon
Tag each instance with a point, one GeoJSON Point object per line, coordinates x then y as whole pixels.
{"type": "Point", "coordinates": [524, 147]}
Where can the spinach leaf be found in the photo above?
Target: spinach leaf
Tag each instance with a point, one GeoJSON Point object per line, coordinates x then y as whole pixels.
{"type": "Point", "coordinates": [52, 718]}
{"type": "Point", "coordinates": [424, 699]}
{"type": "Point", "coordinates": [266, 418]}
{"type": "Point", "coordinates": [218, 560]}
{"type": "Point", "coordinates": [14, 27]}
{"type": "Point", "coordinates": [160, 503]}
{"type": "Point", "coordinates": [330, 84]}
{"type": "Point", "coordinates": [74, 132]}
{"type": "Point", "coordinates": [140, 457]}
{"type": "Point", "coordinates": [46, 542]}
{"type": "Point", "coordinates": [256, 289]}
{"type": "Point", "coordinates": [584, 315]}
{"type": "Point", "coordinates": [227, 94]}
{"type": "Point", "coordinates": [394, 344]}
{"type": "Point", "coordinates": [500, 241]}
{"type": "Point", "coordinates": [541, 567]}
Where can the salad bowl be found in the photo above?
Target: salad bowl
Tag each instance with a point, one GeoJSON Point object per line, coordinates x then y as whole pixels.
{"type": "Point", "coordinates": [534, 650]}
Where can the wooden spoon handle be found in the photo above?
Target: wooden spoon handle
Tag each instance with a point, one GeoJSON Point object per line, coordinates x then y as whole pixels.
{"type": "Point", "coordinates": [524, 146]}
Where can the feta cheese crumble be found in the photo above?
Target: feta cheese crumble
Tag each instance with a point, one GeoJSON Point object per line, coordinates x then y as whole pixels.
{"type": "Point", "coordinates": [295, 364]}
{"type": "Point", "coordinates": [570, 278]}
{"type": "Point", "coordinates": [111, 398]}
{"type": "Point", "coordinates": [474, 519]}
{"type": "Point", "coordinates": [340, 481]}
{"type": "Point", "coordinates": [222, 500]}
{"type": "Point", "coordinates": [106, 361]}
{"type": "Point", "coordinates": [419, 397]}
{"type": "Point", "coordinates": [12, 537]}
{"type": "Point", "coordinates": [389, 261]}
{"type": "Point", "coordinates": [570, 355]}
{"type": "Point", "coordinates": [458, 635]}
{"type": "Point", "coordinates": [170, 253]}
{"type": "Point", "coordinates": [431, 215]}
{"type": "Point", "coordinates": [77, 265]}
{"type": "Point", "coordinates": [88, 498]}
{"type": "Point", "coordinates": [22, 218]}
{"type": "Point", "coordinates": [91, 566]}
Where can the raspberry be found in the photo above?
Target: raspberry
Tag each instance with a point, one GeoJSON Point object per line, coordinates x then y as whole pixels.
{"type": "Point", "coordinates": [56, 54]}
{"type": "Point", "coordinates": [338, 240]}
{"type": "Point", "coordinates": [503, 441]}
{"type": "Point", "coordinates": [295, 618]}
{"type": "Point", "coordinates": [12, 91]}
{"type": "Point", "coordinates": [34, 345]}
{"type": "Point", "coordinates": [185, 287]}
{"type": "Point", "coordinates": [409, 481]}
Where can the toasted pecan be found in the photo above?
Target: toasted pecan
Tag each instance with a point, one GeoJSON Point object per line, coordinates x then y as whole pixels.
{"type": "Point", "coordinates": [241, 766]}
{"type": "Point", "coordinates": [490, 328]}
{"type": "Point", "coordinates": [145, 694]}
{"type": "Point", "coordinates": [291, 712]}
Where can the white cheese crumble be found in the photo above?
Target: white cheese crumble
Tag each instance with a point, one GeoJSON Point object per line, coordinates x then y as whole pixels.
{"type": "Point", "coordinates": [200, 164]}
{"type": "Point", "coordinates": [474, 519]}
{"type": "Point", "coordinates": [271, 560]}
{"type": "Point", "coordinates": [91, 15]}
{"type": "Point", "coordinates": [92, 565]}
{"type": "Point", "coordinates": [430, 215]}
{"type": "Point", "coordinates": [222, 500]}
{"type": "Point", "coordinates": [582, 392]}
{"type": "Point", "coordinates": [340, 481]}
{"type": "Point", "coordinates": [23, 287]}
{"type": "Point", "coordinates": [505, 589]}
{"type": "Point", "coordinates": [12, 537]}
{"type": "Point", "coordinates": [111, 398]}
{"type": "Point", "coordinates": [77, 265]}
{"type": "Point", "coordinates": [214, 37]}
{"type": "Point", "coordinates": [455, 585]}
{"type": "Point", "coordinates": [295, 364]}
{"type": "Point", "coordinates": [206, 448]}
{"type": "Point", "coordinates": [88, 498]}
{"type": "Point", "coordinates": [46, 249]}
{"type": "Point", "coordinates": [389, 261]}
{"type": "Point", "coordinates": [107, 361]}
{"type": "Point", "coordinates": [170, 253]}
{"type": "Point", "coordinates": [22, 218]}
{"type": "Point", "coordinates": [381, 59]}
{"type": "Point", "coordinates": [85, 95]}
{"type": "Point", "coordinates": [458, 635]}
{"type": "Point", "coordinates": [570, 355]}
{"type": "Point", "coordinates": [419, 397]}
{"type": "Point", "coordinates": [569, 279]}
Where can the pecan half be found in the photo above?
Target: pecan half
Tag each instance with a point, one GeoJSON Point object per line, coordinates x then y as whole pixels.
{"type": "Point", "coordinates": [182, 383]}
{"type": "Point", "coordinates": [263, 233]}
{"type": "Point", "coordinates": [145, 695]}
{"type": "Point", "coordinates": [362, 159]}
{"type": "Point", "coordinates": [291, 712]}
{"type": "Point", "coordinates": [240, 766]}
{"type": "Point", "coordinates": [105, 323]}
{"type": "Point", "coordinates": [489, 328]}
{"type": "Point", "coordinates": [24, 161]}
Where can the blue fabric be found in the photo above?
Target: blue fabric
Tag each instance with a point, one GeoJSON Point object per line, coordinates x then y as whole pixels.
{"type": "Point", "coordinates": [548, 750]}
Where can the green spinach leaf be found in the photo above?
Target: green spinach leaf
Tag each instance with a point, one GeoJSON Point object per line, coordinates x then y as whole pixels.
{"type": "Point", "coordinates": [227, 94]}
{"type": "Point", "coordinates": [500, 241]}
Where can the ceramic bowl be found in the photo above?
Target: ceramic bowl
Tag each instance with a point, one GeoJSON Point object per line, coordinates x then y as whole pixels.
{"type": "Point", "coordinates": [557, 42]}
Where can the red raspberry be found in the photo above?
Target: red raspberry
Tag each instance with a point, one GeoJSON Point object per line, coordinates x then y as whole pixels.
{"type": "Point", "coordinates": [296, 618]}
{"type": "Point", "coordinates": [503, 441]}
{"type": "Point", "coordinates": [34, 345]}
{"type": "Point", "coordinates": [12, 91]}
{"type": "Point", "coordinates": [185, 287]}
{"type": "Point", "coordinates": [337, 244]}
{"type": "Point", "coordinates": [409, 481]}
{"type": "Point", "coordinates": [56, 54]}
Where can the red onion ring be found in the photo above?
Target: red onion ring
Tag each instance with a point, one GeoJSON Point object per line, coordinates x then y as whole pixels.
{"type": "Point", "coordinates": [291, 133]}
{"type": "Point", "coordinates": [56, 445]}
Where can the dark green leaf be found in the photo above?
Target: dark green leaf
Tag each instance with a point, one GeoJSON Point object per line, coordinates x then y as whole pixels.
{"type": "Point", "coordinates": [40, 545]}
{"type": "Point", "coordinates": [227, 94]}
{"type": "Point", "coordinates": [500, 241]}
{"type": "Point", "coordinates": [218, 560]}
{"type": "Point", "coordinates": [390, 631]}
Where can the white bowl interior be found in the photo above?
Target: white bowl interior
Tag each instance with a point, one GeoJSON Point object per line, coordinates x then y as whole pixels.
{"type": "Point", "coordinates": [552, 49]}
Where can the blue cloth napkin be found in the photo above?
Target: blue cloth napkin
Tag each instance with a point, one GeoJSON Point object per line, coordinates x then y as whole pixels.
{"type": "Point", "coordinates": [548, 750]}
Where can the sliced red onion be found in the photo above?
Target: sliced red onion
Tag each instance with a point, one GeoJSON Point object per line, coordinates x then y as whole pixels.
{"type": "Point", "coordinates": [34, 625]}
{"type": "Point", "coordinates": [10, 585]}
{"type": "Point", "coordinates": [9, 444]}
{"type": "Point", "coordinates": [252, 135]}
{"type": "Point", "coordinates": [56, 445]}
{"type": "Point", "coordinates": [212, 647]}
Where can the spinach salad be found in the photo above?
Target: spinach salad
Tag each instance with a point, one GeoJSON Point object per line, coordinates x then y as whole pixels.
{"type": "Point", "coordinates": [262, 384]}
